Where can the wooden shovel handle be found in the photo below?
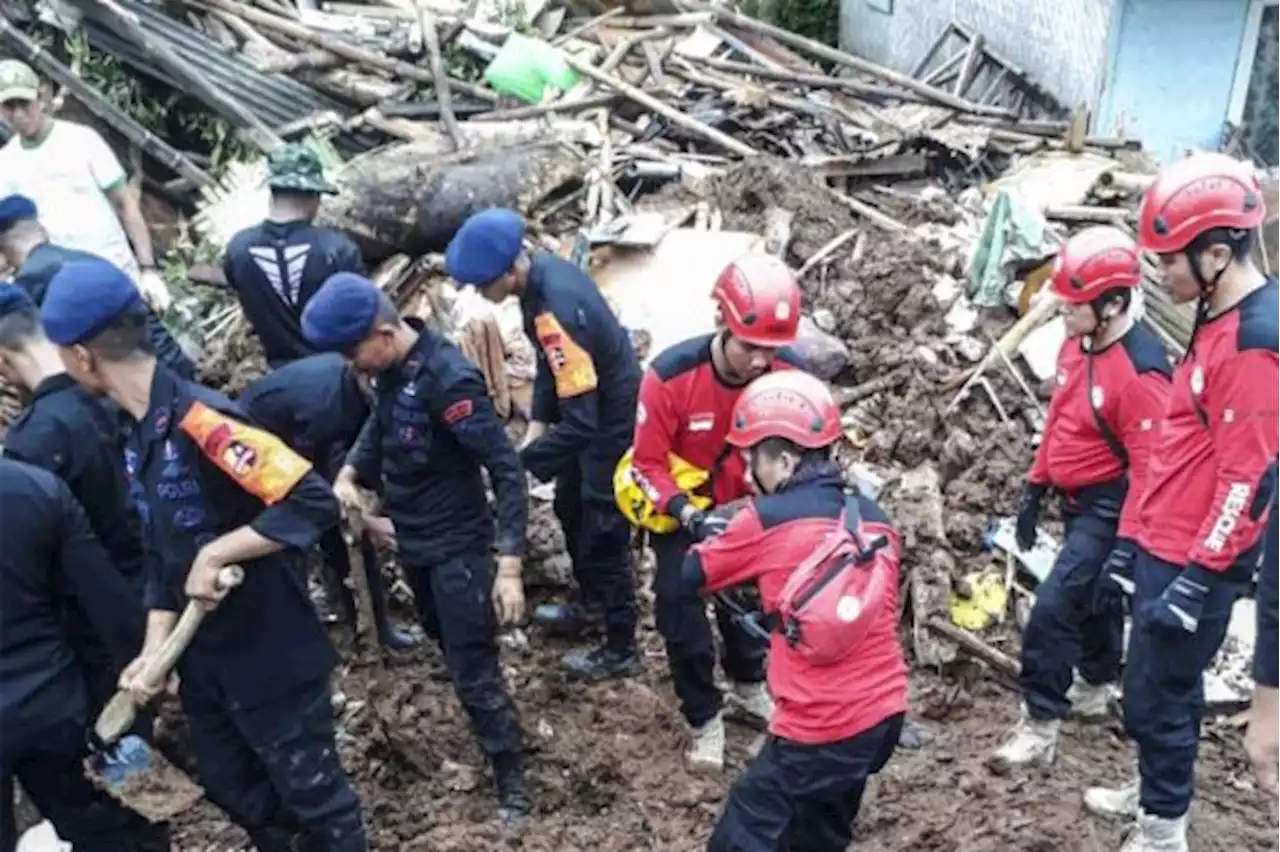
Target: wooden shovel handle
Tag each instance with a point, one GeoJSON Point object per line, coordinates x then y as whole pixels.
{"type": "Point", "coordinates": [119, 713]}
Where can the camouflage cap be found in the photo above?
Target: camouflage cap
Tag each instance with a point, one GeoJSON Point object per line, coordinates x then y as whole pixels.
{"type": "Point", "coordinates": [296, 168]}
{"type": "Point", "coordinates": [18, 82]}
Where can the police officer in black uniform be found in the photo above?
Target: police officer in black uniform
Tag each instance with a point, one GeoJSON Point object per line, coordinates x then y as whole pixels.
{"type": "Point", "coordinates": [317, 406]}
{"type": "Point", "coordinates": [26, 247]}
{"type": "Point", "coordinates": [50, 554]}
{"type": "Point", "coordinates": [276, 267]}
{"type": "Point", "coordinates": [69, 433]}
{"type": "Point", "coordinates": [212, 491]}
{"type": "Point", "coordinates": [432, 430]}
{"type": "Point", "coordinates": [584, 409]}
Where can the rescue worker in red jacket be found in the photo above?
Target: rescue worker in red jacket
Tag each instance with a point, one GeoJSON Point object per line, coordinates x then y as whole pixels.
{"type": "Point", "coordinates": [1112, 387]}
{"type": "Point", "coordinates": [1204, 506]}
{"type": "Point", "coordinates": [840, 680]}
{"type": "Point", "coordinates": [686, 399]}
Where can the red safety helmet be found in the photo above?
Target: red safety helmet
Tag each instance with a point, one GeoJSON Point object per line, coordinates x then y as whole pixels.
{"type": "Point", "coordinates": [1094, 262]}
{"type": "Point", "coordinates": [788, 404]}
{"type": "Point", "coordinates": [1197, 194]}
{"type": "Point", "coordinates": [759, 300]}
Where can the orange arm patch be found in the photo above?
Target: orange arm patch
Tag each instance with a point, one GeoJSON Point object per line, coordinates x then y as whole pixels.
{"type": "Point", "coordinates": [258, 461]}
{"type": "Point", "coordinates": [571, 365]}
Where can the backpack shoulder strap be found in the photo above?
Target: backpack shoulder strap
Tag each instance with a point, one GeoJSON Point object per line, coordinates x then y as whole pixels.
{"type": "Point", "coordinates": [850, 516]}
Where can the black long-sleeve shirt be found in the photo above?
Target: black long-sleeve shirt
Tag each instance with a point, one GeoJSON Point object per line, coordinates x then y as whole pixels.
{"type": "Point", "coordinates": [432, 430]}
{"type": "Point", "coordinates": [50, 556]}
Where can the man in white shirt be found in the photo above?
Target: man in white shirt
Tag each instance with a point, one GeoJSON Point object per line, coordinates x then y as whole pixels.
{"type": "Point", "coordinates": [79, 186]}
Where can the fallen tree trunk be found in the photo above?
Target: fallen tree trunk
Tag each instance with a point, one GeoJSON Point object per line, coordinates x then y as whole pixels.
{"type": "Point", "coordinates": [413, 198]}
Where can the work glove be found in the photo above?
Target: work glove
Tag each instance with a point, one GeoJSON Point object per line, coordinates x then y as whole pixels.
{"type": "Point", "coordinates": [1115, 584]}
{"type": "Point", "coordinates": [1181, 605]}
{"type": "Point", "coordinates": [701, 526]}
{"type": "Point", "coordinates": [154, 291]}
{"type": "Point", "coordinates": [1029, 514]}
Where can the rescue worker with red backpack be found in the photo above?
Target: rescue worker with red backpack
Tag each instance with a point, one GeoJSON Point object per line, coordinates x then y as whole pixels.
{"type": "Point", "coordinates": [682, 468]}
{"type": "Point", "coordinates": [1208, 489]}
{"type": "Point", "coordinates": [1103, 419]}
{"type": "Point", "coordinates": [825, 560]}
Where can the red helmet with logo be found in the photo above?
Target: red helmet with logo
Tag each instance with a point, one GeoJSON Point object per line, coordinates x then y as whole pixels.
{"type": "Point", "coordinates": [1094, 262]}
{"type": "Point", "coordinates": [759, 300]}
{"type": "Point", "coordinates": [1197, 194]}
{"type": "Point", "coordinates": [786, 404]}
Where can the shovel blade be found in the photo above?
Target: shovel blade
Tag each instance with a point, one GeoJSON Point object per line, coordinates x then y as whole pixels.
{"type": "Point", "coordinates": [142, 779]}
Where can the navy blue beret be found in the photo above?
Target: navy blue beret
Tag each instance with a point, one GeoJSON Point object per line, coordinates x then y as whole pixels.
{"type": "Point", "coordinates": [15, 209]}
{"type": "Point", "coordinates": [83, 298]}
{"type": "Point", "coordinates": [341, 313]}
{"type": "Point", "coordinates": [13, 299]}
{"type": "Point", "coordinates": [485, 247]}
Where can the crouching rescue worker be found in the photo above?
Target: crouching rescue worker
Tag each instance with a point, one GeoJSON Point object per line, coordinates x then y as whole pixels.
{"type": "Point", "coordinates": [825, 560]}
{"type": "Point", "coordinates": [46, 705]}
{"type": "Point", "coordinates": [432, 430]}
{"type": "Point", "coordinates": [682, 467]}
{"type": "Point", "coordinates": [317, 405]}
{"type": "Point", "coordinates": [1204, 507]}
{"type": "Point", "coordinates": [584, 404]}
{"type": "Point", "coordinates": [1112, 387]}
{"type": "Point", "coordinates": [213, 490]}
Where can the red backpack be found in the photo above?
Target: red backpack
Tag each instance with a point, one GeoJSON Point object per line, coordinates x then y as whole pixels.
{"type": "Point", "coordinates": [834, 597]}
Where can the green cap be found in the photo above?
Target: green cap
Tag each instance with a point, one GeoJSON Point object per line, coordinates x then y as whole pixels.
{"type": "Point", "coordinates": [18, 82]}
{"type": "Point", "coordinates": [296, 168]}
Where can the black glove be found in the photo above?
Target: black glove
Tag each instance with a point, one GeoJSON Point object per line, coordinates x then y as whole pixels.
{"type": "Point", "coordinates": [1181, 605]}
{"type": "Point", "coordinates": [701, 526]}
{"type": "Point", "coordinates": [1029, 514]}
{"type": "Point", "coordinates": [1115, 583]}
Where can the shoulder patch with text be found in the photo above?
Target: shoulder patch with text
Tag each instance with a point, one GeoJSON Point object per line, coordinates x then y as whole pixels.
{"type": "Point", "coordinates": [458, 411]}
{"type": "Point", "coordinates": [258, 461]}
{"type": "Point", "coordinates": [571, 365]}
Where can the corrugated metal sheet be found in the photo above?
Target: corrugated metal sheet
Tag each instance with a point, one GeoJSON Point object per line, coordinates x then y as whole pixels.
{"type": "Point", "coordinates": [274, 98]}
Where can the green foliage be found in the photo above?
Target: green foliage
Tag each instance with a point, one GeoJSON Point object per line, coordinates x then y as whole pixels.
{"type": "Point", "coordinates": [815, 19]}
{"type": "Point", "coordinates": [177, 118]}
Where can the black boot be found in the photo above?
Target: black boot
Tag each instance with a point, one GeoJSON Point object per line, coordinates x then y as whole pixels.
{"type": "Point", "coordinates": [567, 619]}
{"type": "Point", "coordinates": [515, 805]}
{"type": "Point", "coordinates": [596, 664]}
{"type": "Point", "coordinates": [389, 635]}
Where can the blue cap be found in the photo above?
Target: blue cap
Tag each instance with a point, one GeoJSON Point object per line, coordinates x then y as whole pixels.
{"type": "Point", "coordinates": [485, 247]}
{"type": "Point", "coordinates": [83, 298]}
{"type": "Point", "coordinates": [341, 313]}
{"type": "Point", "coordinates": [15, 209]}
{"type": "Point", "coordinates": [13, 299]}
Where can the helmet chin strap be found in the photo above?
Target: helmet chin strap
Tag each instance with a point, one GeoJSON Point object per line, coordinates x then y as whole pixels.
{"type": "Point", "coordinates": [1208, 286]}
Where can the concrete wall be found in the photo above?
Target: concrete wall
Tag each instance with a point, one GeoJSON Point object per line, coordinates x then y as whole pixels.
{"type": "Point", "coordinates": [1060, 44]}
{"type": "Point", "coordinates": [1170, 73]}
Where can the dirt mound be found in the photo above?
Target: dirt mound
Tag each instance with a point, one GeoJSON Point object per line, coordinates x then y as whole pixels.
{"type": "Point", "coordinates": [746, 190]}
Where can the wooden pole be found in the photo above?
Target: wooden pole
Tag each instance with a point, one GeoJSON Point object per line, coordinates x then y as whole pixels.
{"type": "Point", "coordinates": [430, 38]}
{"type": "Point", "coordinates": [822, 51]}
{"type": "Point", "coordinates": [251, 127]}
{"type": "Point", "coordinates": [339, 47]}
{"type": "Point", "coordinates": [649, 102]}
{"type": "Point", "coordinates": [103, 109]}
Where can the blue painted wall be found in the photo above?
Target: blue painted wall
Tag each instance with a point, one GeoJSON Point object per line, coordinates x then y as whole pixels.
{"type": "Point", "coordinates": [1169, 73]}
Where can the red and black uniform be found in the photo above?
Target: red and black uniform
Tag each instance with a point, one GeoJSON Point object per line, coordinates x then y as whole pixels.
{"type": "Point", "coordinates": [1103, 420]}
{"type": "Point", "coordinates": [685, 408]}
{"type": "Point", "coordinates": [833, 725]}
{"type": "Point", "coordinates": [1202, 516]}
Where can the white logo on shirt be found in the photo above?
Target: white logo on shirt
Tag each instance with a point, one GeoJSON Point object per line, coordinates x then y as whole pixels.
{"type": "Point", "coordinates": [283, 268]}
{"type": "Point", "coordinates": [1095, 396]}
{"type": "Point", "coordinates": [702, 422]}
{"type": "Point", "coordinates": [641, 414]}
{"type": "Point", "coordinates": [1197, 381]}
{"type": "Point", "coordinates": [1062, 378]}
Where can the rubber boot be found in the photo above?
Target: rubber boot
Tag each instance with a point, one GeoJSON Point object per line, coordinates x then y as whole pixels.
{"type": "Point", "coordinates": [1031, 742]}
{"type": "Point", "coordinates": [515, 805]}
{"type": "Point", "coordinates": [567, 620]}
{"type": "Point", "coordinates": [706, 753]}
{"type": "Point", "coordinates": [388, 634]}
{"type": "Point", "coordinates": [1112, 802]}
{"type": "Point", "coordinates": [1089, 703]}
{"type": "Point", "coordinates": [752, 702]}
{"type": "Point", "coordinates": [1157, 834]}
{"type": "Point", "coordinates": [603, 663]}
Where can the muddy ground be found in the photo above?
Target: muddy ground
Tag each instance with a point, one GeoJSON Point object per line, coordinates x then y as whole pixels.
{"type": "Point", "coordinates": [606, 769]}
